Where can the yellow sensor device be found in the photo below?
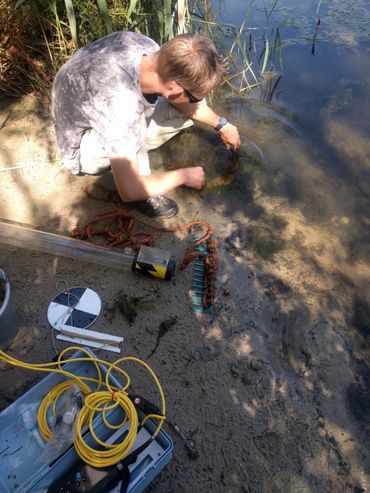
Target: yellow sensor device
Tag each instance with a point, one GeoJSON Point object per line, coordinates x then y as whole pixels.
{"type": "Point", "coordinates": [154, 262]}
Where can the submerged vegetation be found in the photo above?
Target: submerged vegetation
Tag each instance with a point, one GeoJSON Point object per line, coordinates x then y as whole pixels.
{"type": "Point", "coordinates": [361, 316]}
{"type": "Point", "coordinates": [266, 242]}
{"type": "Point", "coordinates": [38, 36]}
{"type": "Point", "coordinates": [129, 306]}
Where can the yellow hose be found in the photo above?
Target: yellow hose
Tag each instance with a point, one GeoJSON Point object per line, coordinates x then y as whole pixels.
{"type": "Point", "coordinates": [98, 401]}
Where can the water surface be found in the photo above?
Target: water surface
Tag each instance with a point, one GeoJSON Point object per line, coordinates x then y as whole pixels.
{"type": "Point", "coordinates": [304, 165]}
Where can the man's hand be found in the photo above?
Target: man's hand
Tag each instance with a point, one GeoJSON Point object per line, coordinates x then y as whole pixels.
{"type": "Point", "coordinates": [230, 137]}
{"type": "Point", "coordinates": [202, 113]}
{"type": "Point", "coordinates": [132, 186]}
{"type": "Point", "coordinates": [194, 177]}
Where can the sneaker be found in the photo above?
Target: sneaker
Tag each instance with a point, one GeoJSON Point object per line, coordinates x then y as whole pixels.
{"type": "Point", "coordinates": [158, 206]}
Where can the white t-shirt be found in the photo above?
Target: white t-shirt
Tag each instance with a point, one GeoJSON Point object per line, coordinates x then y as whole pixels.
{"type": "Point", "coordinates": [99, 88]}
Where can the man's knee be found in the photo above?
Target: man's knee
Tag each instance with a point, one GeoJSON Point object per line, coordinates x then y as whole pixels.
{"type": "Point", "coordinates": [165, 123]}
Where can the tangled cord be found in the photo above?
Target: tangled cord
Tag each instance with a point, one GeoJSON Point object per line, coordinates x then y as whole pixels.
{"type": "Point", "coordinates": [98, 401]}
{"type": "Point", "coordinates": [118, 229]}
{"type": "Point", "coordinates": [114, 229]}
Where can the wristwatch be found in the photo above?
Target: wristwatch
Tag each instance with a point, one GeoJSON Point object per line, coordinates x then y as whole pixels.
{"type": "Point", "coordinates": [221, 123]}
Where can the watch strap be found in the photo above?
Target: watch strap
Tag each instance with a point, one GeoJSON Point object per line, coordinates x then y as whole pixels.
{"type": "Point", "coordinates": [221, 123]}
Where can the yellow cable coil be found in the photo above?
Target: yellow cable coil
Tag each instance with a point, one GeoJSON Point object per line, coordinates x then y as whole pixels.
{"type": "Point", "coordinates": [98, 401]}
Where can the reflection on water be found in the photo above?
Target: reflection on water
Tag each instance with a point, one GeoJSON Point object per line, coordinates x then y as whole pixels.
{"type": "Point", "coordinates": [298, 192]}
{"type": "Point", "coordinates": [342, 22]}
{"type": "Point", "coordinates": [298, 197]}
{"type": "Point", "coordinates": [306, 148]}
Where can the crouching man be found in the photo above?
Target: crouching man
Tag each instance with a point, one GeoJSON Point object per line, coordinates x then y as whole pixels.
{"type": "Point", "coordinates": [122, 96]}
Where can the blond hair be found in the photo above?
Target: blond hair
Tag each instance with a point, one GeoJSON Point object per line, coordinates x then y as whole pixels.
{"type": "Point", "coordinates": [192, 61]}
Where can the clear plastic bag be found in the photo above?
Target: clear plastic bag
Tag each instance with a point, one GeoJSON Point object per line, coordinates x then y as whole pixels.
{"type": "Point", "coordinates": [29, 421]}
{"type": "Point", "coordinates": [62, 425]}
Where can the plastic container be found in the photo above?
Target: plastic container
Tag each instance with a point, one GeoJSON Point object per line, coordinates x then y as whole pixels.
{"type": "Point", "coordinates": [20, 472]}
{"type": "Point", "coordinates": [8, 319]}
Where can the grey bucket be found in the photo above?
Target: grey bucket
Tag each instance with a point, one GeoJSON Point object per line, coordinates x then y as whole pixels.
{"type": "Point", "coordinates": [8, 319]}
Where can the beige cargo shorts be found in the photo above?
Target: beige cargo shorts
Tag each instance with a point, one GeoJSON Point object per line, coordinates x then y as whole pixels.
{"type": "Point", "coordinates": [165, 123]}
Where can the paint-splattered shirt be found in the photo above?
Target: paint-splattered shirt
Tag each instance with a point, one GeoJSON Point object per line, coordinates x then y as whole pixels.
{"type": "Point", "coordinates": [99, 88]}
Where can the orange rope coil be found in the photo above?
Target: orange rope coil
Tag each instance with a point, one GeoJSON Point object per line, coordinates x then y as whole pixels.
{"type": "Point", "coordinates": [118, 229]}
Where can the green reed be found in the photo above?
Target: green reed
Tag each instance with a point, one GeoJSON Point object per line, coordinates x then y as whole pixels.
{"type": "Point", "coordinates": [254, 53]}
{"type": "Point", "coordinates": [40, 35]}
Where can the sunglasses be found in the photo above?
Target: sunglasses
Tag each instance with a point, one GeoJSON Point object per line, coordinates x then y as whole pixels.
{"type": "Point", "coordinates": [191, 98]}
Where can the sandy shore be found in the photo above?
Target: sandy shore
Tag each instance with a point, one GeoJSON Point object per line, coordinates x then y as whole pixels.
{"type": "Point", "coordinates": [270, 393]}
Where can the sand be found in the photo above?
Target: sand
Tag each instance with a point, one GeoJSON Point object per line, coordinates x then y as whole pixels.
{"type": "Point", "coordinates": [270, 393]}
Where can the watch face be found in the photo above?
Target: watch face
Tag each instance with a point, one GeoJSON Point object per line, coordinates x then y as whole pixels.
{"type": "Point", "coordinates": [222, 121]}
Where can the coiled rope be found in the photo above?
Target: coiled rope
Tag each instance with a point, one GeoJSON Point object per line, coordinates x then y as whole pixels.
{"type": "Point", "coordinates": [119, 229]}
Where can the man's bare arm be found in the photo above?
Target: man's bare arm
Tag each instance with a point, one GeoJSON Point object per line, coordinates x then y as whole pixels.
{"type": "Point", "coordinates": [131, 186]}
{"type": "Point", "coordinates": [202, 113]}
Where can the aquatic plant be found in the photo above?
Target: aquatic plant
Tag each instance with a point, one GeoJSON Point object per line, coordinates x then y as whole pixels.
{"type": "Point", "coordinates": [361, 316]}
{"type": "Point", "coordinates": [39, 36]}
{"type": "Point", "coordinates": [264, 241]}
{"type": "Point", "coordinates": [129, 306]}
{"type": "Point", "coordinates": [254, 53]}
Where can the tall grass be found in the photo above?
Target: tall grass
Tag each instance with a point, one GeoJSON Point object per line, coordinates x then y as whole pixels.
{"type": "Point", "coordinates": [40, 35]}
{"type": "Point", "coordinates": [255, 54]}
{"type": "Point", "coordinates": [21, 58]}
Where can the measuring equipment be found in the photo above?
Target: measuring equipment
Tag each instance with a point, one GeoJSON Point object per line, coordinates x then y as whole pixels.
{"type": "Point", "coordinates": [198, 286]}
{"type": "Point", "coordinates": [83, 478]}
{"type": "Point", "coordinates": [132, 453]}
{"type": "Point", "coordinates": [154, 262]}
{"type": "Point", "coordinates": [75, 309]}
{"type": "Point", "coordinates": [150, 261]}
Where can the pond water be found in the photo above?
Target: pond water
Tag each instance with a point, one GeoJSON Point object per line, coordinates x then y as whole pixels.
{"type": "Point", "coordinates": [305, 156]}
